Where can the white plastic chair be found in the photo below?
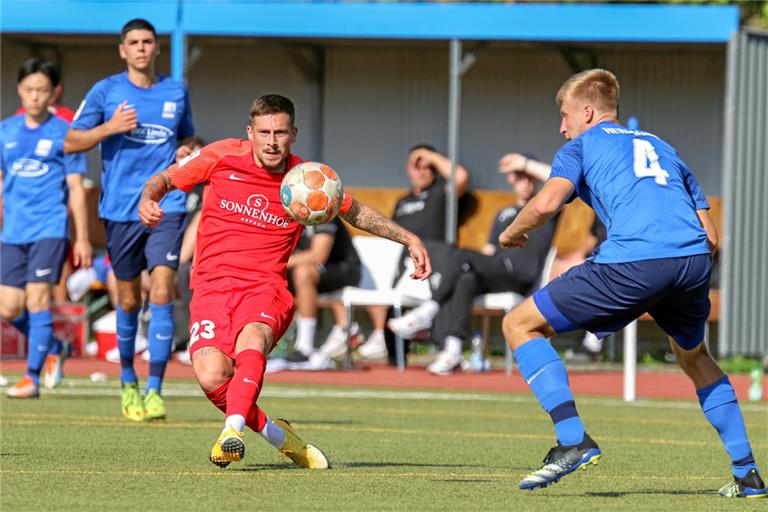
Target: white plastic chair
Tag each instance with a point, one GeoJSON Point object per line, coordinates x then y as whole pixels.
{"type": "Point", "coordinates": [504, 302]}
{"type": "Point", "coordinates": [379, 258]}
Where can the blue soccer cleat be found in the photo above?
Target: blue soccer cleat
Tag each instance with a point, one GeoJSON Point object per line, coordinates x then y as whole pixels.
{"type": "Point", "coordinates": [562, 460]}
{"type": "Point", "coordinates": [750, 486]}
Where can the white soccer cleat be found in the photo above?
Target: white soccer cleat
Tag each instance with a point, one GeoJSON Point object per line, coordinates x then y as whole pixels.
{"type": "Point", "coordinates": [445, 364]}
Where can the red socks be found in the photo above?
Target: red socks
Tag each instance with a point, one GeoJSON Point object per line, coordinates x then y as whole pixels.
{"type": "Point", "coordinates": [245, 386]}
{"type": "Point", "coordinates": [237, 395]}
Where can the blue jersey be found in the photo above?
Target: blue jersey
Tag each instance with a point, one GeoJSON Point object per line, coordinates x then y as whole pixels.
{"type": "Point", "coordinates": [640, 189]}
{"type": "Point", "coordinates": [35, 172]}
{"type": "Point", "coordinates": [129, 159]}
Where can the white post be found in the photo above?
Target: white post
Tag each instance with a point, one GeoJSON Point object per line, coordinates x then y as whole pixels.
{"type": "Point", "coordinates": [630, 362]}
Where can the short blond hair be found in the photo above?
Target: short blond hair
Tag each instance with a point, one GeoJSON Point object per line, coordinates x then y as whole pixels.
{"type": "Point", "coordinates": [598, 87]}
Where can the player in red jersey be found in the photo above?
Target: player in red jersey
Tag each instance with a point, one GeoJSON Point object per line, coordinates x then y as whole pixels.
{"type": "Point", "coordinates": [241, 305]}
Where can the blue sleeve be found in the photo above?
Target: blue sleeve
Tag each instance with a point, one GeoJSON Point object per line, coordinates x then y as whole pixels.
{"type": "Point", "coordinates": [569, 163]}
{"type": "Point", "coordinates": [186, 127]}
{"type": "Point", "coordinates": [75, 163]}
{"type": "Point", "coordinates": [692, 185]}
{"type": "Point", "coordinates": [90, 114]}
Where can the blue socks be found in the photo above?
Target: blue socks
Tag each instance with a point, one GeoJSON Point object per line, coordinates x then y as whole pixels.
{"type": "Point", "coordinates": [160, 343]}
{"type": "Point", "coordinates": [40, 335]}
{"type": "Point", "coordinates": [545, 373]}
{"type": "Point", "coordinates": [22, 323]}
{"type": "Point", "coordinates": [127, 325]}
{"type": "Point", "coordinates": [718, 401]}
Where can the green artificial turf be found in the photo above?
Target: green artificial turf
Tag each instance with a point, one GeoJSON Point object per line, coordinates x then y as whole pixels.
{"type": "Point", "coordinates": [390, 450]}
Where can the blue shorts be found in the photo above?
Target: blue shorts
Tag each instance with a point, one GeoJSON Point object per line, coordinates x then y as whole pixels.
{"type": "Point", "coordinates": [36, 262]}
{"type": "Point", "coordinates": [604, 297]}
{"type": "Point", "coordinates": [133, 246]}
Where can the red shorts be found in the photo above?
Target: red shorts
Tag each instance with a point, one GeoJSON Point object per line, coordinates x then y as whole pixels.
{"type": "Point", "coordinates": [221, 308]}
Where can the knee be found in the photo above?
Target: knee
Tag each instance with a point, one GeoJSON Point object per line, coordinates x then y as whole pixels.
{"type": "Point", "coordinates": [689, 360]}
{"type": "Point", "coordinates": [128, 304]}
{"type": "Point", "coordinates": [38, 301]}
{"type": "Point", "coordinates": [160, 294]}
{"type": "Point", "coordinates": [305, 276]}
{"type": "Point", "coordinates": [212, 378]}
{"type": "Point", "coordinates": [514, 332]}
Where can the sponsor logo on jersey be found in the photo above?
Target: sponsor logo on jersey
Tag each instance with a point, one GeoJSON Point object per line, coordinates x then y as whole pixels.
{"type": "Point", "coordinates": [43, 148]}
{"type": "Point", "coordinates": [169, 109]}
{"type": "Point", "coordinates": [28, 168]}
{"type": "Point", "coordinates": [184, 161]}
{"type": "Point", "coordinates": [410, 208]}
{"type": "Point", "coordinates": [507, 213]}
{"type": "Point", "coordinates": [150, 134]}
{"type": "Point", "coordinates": [254, 211]}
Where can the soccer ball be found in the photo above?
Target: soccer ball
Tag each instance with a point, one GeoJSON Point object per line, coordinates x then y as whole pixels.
{"type": "Point", "coordinates": [311, 193]}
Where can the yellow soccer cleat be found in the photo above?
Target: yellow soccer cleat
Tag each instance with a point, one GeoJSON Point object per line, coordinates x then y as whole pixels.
{"type": "Point", "coordinates": [154, 406]}
{"type": "Point", "coordinates": [229, 447]}
{"type": "Point", "coordinates": [130, 402]}
{"type": "Point", "coordinates": [303, 454]}
{"type": "Point", "coordinates": [25, 388]}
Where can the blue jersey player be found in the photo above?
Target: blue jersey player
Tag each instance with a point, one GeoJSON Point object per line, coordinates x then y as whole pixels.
{"type": "Point", "coordinates": [657, 258]}
{"type": "Point", "coordinates": [138, 117]}
{"type": "Point", "coordinates": [38, 180]}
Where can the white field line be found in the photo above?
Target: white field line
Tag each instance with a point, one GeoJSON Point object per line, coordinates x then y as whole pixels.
{"type": "Point", "coordinates": [84, 387]}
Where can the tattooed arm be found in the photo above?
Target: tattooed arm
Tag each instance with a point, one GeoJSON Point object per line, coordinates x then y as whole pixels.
{"type": "Point", "coordinates": [371, 220]}
{"type": "Point", "coordinates": [155, 189]}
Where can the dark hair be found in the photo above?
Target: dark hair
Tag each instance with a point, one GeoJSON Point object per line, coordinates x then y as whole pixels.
{"type": "Point", "coordinates": [422, 145]}
{"type": "Point", "coordinates": [32, 66]}
{"type": "Point", "coordinates": [272, 104]}
{"type": "Point", "coordinates": [137, 24]}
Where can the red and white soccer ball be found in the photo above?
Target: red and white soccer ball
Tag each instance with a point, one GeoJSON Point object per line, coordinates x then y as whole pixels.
{"type": "Point", "coordinates": [311, 193]}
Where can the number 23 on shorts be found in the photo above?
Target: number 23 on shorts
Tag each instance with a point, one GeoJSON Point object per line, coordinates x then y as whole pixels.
{"type": "Point", "coordinates": [202, 329]}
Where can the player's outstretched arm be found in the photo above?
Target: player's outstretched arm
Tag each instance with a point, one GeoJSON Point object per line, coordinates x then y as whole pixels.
{"type": "Point", "coordinates": [155, 189]}
{"type": "Point", "coordinates": [537, 212]}
{"type": "Point", "coordinates": [371, 220]}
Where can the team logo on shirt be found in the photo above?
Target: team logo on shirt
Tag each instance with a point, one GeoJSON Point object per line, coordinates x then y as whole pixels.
{"type": "Point", "coordinates": [43, 148]}
{"type": "Point", "coordinates": [254, 211]}
{"type": "Point", "coordinates": [149, 134]}
{"type": "Point", "coordinates": [169, 109]}
{"type": "Point", "coordinates": [28, 168]}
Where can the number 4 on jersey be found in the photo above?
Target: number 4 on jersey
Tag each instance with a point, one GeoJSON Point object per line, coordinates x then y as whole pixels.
{"type": "Point", "coordinates": [647, 162]}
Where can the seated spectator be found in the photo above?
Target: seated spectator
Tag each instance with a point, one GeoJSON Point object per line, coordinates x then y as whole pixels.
{"type": "Point", "coordinates": [421, 211]}
{"type": "Point", "coordinates": [463, 274]}
{"type": "Point", "coordinates": [325, 260]}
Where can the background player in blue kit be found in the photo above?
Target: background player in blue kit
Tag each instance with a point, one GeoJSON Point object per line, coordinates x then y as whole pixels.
{"type": "Point", "coordinates": [657, 258]}
{"type": "Point", "coordinates": [138, 117]}
{"type": "Point", "coordinates": [37, 181]}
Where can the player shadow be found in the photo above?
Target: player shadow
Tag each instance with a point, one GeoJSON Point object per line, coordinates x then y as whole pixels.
{"type": "Point", "coordinates": [671, 492]}
{"type": "Point", "coordinates": [282, 466]}
{"type": "Point", "coordinates": [364, 464]}
{"type": "Point", "coordinates": [464, 481]}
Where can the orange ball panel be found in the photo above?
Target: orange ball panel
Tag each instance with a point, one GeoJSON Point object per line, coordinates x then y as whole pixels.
{"type": "Point", "coordinates": [329, 172]}
{"type": "Point", "coordinates": [317, 201]}
{"type": "Point", "coordinates": [314, 179]}
{"type": "Point", "coordinates": [299, 210]}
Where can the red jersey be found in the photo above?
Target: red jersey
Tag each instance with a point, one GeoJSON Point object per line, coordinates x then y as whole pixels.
{"type": "Point", "coordinates": [244, 232]}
